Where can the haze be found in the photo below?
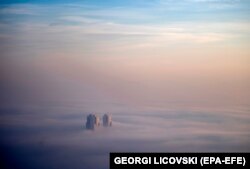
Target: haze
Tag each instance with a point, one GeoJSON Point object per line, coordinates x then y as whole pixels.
{"type": "Point", "coordinates": [182, 65]}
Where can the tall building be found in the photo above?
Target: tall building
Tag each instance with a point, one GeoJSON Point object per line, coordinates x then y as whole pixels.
{"type": "Point", "coordinates": [93, 121]}
{"type": "Point", "coordinates": [107, 120]}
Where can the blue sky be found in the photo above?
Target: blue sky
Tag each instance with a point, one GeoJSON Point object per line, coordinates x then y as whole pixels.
{"type": "Point", "coordinates": [158, 11]}
{"type": "Point", "coordinates": [229, 17]}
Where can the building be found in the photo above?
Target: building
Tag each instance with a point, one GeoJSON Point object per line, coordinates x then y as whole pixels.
{"type": "Point", "coordinates": [107, 120]}
{"type": "Point", "coordinates": [93, 121]}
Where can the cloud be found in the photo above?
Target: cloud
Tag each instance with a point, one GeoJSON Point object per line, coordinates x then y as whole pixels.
{"type": "Point", "coordinates": [116, 24]}
{"type": "Point", "coordinates": [79, 19]}
{"type": "Point", "coordinates": [57, 132]}
{"type": "Point", "coordinates": [21, 9]}
{"type": "Point", "coordinates": [153, 35]}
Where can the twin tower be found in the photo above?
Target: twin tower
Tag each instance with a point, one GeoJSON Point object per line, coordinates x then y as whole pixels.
{"type": "Point", "coordinates": [93, 121]}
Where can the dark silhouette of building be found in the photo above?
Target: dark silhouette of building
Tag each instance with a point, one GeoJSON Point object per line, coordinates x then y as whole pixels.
{"type": "Point", "coordinates": [93, 121]}
{"type": "Point", "coordinates": [107, 120]}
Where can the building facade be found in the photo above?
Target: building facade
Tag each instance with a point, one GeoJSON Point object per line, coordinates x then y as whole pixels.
{"type": "Point", "coordinates": [93, 121]}
{"type": "Point", "coordinates": [107, 120]}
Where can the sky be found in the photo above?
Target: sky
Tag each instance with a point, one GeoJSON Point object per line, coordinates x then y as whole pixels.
{"type": "Point", "coordinates": [147, 53]}
{"type": "Point", "coordinates": [137, 53]}
{"type": "Point", "coordinates": [175, 75]}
